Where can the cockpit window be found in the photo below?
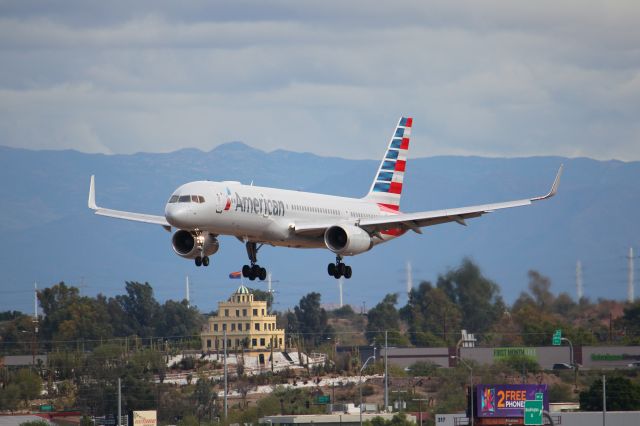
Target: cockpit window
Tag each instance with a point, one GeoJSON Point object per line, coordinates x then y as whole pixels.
{"type": "Point", "coordinates": [186, 199]}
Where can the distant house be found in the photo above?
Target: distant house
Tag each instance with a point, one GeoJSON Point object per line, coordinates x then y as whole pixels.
{"type": "Point", "coordinates": [246, 324]}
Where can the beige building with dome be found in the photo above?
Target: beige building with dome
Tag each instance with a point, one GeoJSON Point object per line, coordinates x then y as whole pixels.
{"type": "Point", "coordinates": [246, 323]}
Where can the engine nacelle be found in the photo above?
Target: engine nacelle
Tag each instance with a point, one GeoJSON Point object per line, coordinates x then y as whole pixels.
{"type": "Point", "coordinates": [347, 240]}
{"type": "Point", "coordinates": [184, 244]}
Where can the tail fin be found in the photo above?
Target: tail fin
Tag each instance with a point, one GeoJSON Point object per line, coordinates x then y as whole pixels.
{"type": "Point", "coordinates": [386, 188]}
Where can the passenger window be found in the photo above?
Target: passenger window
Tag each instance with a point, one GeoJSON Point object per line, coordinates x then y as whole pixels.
{"type": "Point", "coordinates": [184, 198]}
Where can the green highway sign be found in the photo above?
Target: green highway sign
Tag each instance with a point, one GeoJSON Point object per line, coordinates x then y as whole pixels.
{"type": "Point", "coordinates": [323, 399]}
{"type": "Point", "coordinates": [557, 337]}
{"type": "Point", "coordinates": [533, 412]}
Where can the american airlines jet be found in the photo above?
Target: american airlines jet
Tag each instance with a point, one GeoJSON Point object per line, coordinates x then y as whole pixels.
{"type": "Point", "coordinates": [203, 210]}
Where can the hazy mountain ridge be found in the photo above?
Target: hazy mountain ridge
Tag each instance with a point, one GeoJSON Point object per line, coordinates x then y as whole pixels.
{"type": "Point", "coordinates": [49, 234]}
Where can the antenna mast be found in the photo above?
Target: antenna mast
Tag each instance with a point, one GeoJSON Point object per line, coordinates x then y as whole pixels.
{"type": "Point", "coordinates": [187, 290]}
{"type": "Point", "coordinates": [630, 295]}
{"type": "Point", "coordinates": [579, 291]}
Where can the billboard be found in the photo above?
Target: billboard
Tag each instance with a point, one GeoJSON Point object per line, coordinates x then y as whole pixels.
{"type": "Point", "coordinates": [144, 418]}
{"type": "Point", "coordinates": [507, 400]}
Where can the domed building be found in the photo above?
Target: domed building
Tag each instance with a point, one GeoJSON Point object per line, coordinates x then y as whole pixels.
{"type": "Point", "coordinates": [247, 325]}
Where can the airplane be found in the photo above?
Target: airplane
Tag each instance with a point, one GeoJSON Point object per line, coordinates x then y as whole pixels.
{"type": "Point", "coordinates": [202, 211]}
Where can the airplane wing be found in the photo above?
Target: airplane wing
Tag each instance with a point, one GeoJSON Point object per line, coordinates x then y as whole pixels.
{"type": "Point", "coordinates": [119, 214]}
{"type": "Point", "coordinates": [415, 221]}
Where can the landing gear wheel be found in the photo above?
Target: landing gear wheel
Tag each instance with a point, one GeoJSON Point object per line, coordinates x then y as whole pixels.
{"type": "Point", "coordinates": [263, 274]}
{"type": "Point", "coordinates": [205, 261]}
{"type": "Point", "coordinates": [341, 268]}
{"type": "Point", "coordinates": [331, 269]}
{"type": "Point", "coordinates": [246, 271]}
{"type": "Point", "coordinates": [347, 271]}
{"type": "Point", "coordinates": [198, 261]}
{"type": "Point", "coordinates": [337, 274]}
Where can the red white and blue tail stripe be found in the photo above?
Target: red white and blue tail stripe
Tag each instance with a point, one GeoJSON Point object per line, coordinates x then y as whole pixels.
{"type": "Point", "coordinates": [386, 188]}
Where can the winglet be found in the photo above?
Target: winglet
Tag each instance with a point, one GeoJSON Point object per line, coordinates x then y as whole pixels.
{"type": "Point", "coordinates": [554, 187]}
{"type": "Point", "coordinates": [92, 194]}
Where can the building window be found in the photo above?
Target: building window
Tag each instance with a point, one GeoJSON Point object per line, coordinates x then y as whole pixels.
{"type": "Point", "coordinates": [254, 342]}
{"type": "Point", "coordinates": [263, 312]}
{"type": "Point", "coordinates": [257, 326]}
{"type": "Point", "coordinates": [228, 342]}
{"type": "Point", "coordinates": [247, 326]}
{"type": "Point", "coordinates": [255, 312]}
{"type": "Point", "coordinates": [233, 327]}
{"type": "Point", "coordinates": [281, 342]}
{"type": "Point", "coordinates": [208, 343]}
{"type": "Point", "coordinates": [215, 327]}
{"type": "Point", "coordinates": [226, 312]}
{"type": "Point", "coordinates": [237, 343]}
{"type": "Point", "coordinates": [237, 312]}
{"type": "Point", "coordinates": [262, 341]}
{"type": "Point", "coordinates": [244, 312]}
{"type": "Point", "coordinates": [224, 327]}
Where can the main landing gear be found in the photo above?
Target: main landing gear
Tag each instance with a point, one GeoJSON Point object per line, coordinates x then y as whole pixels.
{"type": "Point", "coordinates": [339, 269]}
{"type": "Point", "coordinates": [202, 261]}
{"type": "Point", "coordinates": [254, 270]}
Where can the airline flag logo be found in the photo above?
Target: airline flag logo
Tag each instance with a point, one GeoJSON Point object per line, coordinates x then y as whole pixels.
{"type": "Point", "coordinates": [388, 183]}
{"type": "Point", "coordinates": [228, 204]}
{"type": "Point", "coordinates": [235, 275]}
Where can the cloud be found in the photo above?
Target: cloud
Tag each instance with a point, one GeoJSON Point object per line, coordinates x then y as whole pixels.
{"type": "Point", "coordinates": [480, 77]}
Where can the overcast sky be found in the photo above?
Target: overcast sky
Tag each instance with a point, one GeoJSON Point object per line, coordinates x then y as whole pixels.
{"type": "Point", "coordinates": [491, 78]}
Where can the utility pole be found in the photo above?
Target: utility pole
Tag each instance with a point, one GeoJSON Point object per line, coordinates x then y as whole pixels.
{"type": "Point", "coordinates": [630, 296]}
{"type": "Point", "coordinates": [224, 345]}
{"type": "Point", "coordinates": [579, 291]}
{"type": "Point", "coordinates": [119, 403]}
{"type": "Point", "coordinates": [35, 324]}
{"type": "Point", "coordinates": [604, 400]}
{"type": "Point", "coordinates": [386, 373]}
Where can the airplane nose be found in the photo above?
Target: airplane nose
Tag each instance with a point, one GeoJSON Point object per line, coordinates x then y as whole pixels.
{"type": "Point", "coordinates": [179, 216]}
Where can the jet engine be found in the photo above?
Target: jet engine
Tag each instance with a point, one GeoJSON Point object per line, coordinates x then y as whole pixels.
{"type": "Point", "coordinates": [184, 244]}
{"type": "Point", "coordinates": [347, 240]}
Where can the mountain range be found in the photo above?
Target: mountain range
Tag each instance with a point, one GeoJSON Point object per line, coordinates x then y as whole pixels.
{"type": "Point", "coordinates": [49, 235]}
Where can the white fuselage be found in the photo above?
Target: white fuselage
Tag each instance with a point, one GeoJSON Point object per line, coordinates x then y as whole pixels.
{"type": "Point", "coordinates": [265, 215]}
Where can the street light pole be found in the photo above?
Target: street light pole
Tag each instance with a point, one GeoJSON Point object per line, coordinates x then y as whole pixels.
{"type": "Point", "coordinates": [470, 383]}
{"type": "Point", "coordinates": [360, 381]}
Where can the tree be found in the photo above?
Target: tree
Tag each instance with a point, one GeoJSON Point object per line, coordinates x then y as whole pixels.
{"type": "Point", "coordinates": [312, 319]}
{"type": "Point", "coordinates": [477, 297]}
{"type": "Point", "coordinates": [630, 322]}
{"type": "Point", "coordinates": [178, 319]}
{"type": "Point", "coordinates": [263, 296]}
{"type": "Point", "coordinates": [432, 316]}
{"type": "Point", "coordinates": [140, 307]}
{"type": "Point", "coordinates": [385, 316]}
{"type": "Point", "coordinates": [622, 395]}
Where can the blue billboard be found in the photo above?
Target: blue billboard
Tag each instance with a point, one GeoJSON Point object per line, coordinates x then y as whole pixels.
{"type": "Point", "coordinates": [507, 400]}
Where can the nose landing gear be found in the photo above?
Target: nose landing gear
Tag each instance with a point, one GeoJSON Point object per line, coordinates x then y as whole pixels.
{"type": "Point", "coordinates": [339, 269]}
{"type": "Point", "coordinates": [201, 260]}
{"type": "Point", "coordinates": [254, 270]}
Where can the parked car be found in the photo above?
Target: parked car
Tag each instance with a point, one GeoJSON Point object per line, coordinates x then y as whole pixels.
{"type": "Point", "coordinates": [635, 364]}
{"type": "Point", "coordinates": [562, 366]}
